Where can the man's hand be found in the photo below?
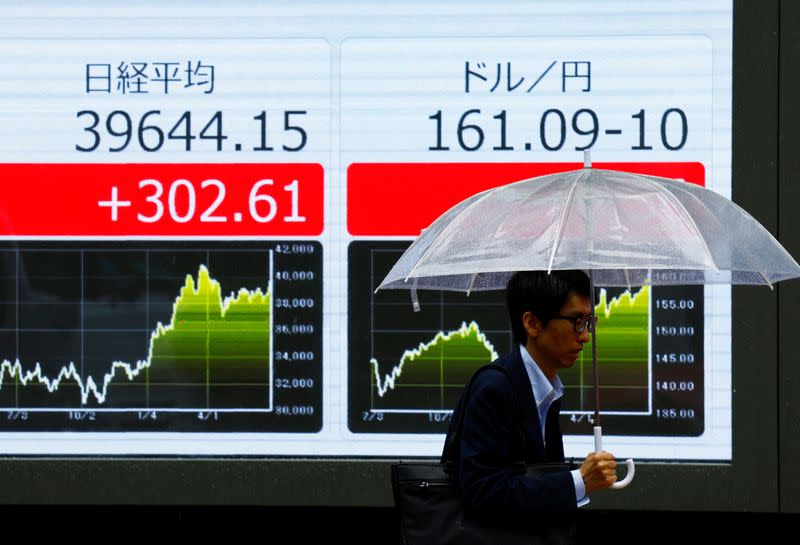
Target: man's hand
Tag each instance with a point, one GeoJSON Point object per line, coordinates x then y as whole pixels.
{"type": "Point", "coordinates": [599, 471]}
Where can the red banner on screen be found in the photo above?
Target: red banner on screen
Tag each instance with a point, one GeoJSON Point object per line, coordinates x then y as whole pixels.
{"type": "Point", "coordinates": [401, 199]}
{"type": "Point", "coordinates": [161, 200]}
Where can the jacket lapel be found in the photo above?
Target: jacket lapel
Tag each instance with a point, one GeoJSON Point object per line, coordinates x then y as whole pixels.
{"type": "Point", "coordinates": [552, 430]}
{"type": "Point", "coordinates": [526, 407]}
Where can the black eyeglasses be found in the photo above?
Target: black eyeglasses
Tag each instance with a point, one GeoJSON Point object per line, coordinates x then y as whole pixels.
{"type": "Point", "coordinates": [580, 323]}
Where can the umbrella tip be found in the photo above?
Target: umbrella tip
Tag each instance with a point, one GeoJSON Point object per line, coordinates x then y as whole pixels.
{"type": "Point", "coordinates": [587, 159]}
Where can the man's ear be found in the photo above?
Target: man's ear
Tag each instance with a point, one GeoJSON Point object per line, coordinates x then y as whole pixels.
{"type": "Point", "coordinates": [533, 325]}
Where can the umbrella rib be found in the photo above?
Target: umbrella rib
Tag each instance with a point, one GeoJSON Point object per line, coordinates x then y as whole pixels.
{"type": "Point", "coordinates": [752, 220]}
{"type": "Point", "coordinates": [769, 236]}
{"type": "Point", "coordinates": [472, 283]}
{"type": "Point", "coordinates": [767, 233]}
{"type": "Point", "coordinates": [449, 227]}
{"type": "Point", "coordinates": [619, 215]}
{"type": "Point", "coordinates": [748, 216]}
{"type": "Point", "coordinates": [562, 222]}
{"type": "Point", "coordinates": [689, 224]}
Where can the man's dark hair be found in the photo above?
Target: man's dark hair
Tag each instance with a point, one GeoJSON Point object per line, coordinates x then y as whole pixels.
{"type": "Point", "coordinates": [542, 294]}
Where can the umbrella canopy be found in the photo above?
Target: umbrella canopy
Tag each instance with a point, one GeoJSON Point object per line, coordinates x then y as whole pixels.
{"type": "Point", "coordinates": [624, 229]}
{"type": "Point", "coordinates": [629, 229]}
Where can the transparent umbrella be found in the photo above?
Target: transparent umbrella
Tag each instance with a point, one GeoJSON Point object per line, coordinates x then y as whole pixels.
{"type": "Point", "coordinates": [623, 229]}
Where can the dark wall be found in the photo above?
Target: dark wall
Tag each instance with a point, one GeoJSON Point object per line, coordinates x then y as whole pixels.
{"type": "Point", "coordinates": [750, 498]}
{"type": "Point", "coordinates": [377, 526]}
{"type": "Point", "coordinates": [789, 233]}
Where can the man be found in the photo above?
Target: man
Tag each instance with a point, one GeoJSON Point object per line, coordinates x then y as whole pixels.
{"type": "Point", "coordinates": [550, 320]}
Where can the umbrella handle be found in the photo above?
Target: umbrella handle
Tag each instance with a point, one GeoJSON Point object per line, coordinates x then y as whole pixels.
{"type": "Point", "coordinates": [598, 446]}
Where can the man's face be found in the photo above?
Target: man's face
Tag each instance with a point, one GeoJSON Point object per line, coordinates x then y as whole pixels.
{"type": "Point", "coordinates": [556, 344]}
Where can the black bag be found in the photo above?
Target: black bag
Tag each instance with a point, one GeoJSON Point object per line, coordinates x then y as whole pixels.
{"type": "Point", "coordinates": [427, 499]}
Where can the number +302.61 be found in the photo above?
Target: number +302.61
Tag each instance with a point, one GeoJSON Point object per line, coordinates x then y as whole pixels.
{"type": "Point", "coordinates": [181, 203]}
{"type": "Point", "coordinates": [151, 137]}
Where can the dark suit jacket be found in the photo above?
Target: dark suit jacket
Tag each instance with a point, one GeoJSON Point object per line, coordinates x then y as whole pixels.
{"type": "Point", "coordinates": [490, 445]}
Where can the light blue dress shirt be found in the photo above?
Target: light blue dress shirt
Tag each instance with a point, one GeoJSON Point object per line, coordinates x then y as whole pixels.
{"type": "Point", "coordinates": [544, 393]}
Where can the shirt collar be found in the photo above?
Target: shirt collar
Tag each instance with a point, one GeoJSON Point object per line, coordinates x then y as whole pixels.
{"type": "Point", "coordinates": [543, 389]}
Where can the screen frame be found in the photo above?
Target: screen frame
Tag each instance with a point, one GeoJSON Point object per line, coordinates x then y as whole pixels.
{"type": "Point", "coordinates": [750, 482]}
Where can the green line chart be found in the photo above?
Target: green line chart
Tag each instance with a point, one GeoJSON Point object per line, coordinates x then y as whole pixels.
{"type": "Point", "coordinates": [407, 369]}
{"type": "Point", "coordinates": [160, 336]}
{"type": "Point", "coordinates": [204, 328]}
{"type": "Point", "coordinates": [450, 358]}
{"type": "Point", "coordinates": [623, 355]}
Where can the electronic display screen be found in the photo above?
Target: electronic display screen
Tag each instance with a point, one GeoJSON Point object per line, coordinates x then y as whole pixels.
{"type": "Point", "coordinates": [195, 217]}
